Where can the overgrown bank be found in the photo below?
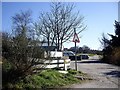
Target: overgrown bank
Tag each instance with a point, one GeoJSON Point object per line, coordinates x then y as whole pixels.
{"type": "Point", "coordinates": [46, 79]}
{"type": "Point", "coordinates": [111, 51]}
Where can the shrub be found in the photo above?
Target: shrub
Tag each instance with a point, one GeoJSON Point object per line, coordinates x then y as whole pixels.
{"type": "Point", "coordinates": [6, 66]}
{"type": "Point", "coordinates": [115, 57]}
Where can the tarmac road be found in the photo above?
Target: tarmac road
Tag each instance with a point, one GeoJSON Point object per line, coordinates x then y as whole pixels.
{"type": "Point", "coordinates": [104, 75]}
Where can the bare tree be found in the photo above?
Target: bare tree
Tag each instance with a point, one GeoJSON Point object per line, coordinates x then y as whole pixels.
{"type": "Point", "coordinates": [57, 25]}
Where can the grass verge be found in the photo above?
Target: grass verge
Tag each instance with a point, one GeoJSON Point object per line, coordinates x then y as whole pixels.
{"type": "Point", "coordinates": [48, 79]}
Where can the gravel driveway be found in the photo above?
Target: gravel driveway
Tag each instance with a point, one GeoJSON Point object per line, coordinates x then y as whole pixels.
{"type": "Point", "coordinates": [104, 75]}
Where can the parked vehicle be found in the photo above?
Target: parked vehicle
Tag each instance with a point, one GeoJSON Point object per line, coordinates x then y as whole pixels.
{"type": "Point", "coordinates": [71, 55]}
{"type": "Point", "coordinates": [84, 56]}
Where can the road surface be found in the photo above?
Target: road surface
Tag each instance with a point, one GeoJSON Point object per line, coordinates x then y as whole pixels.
{"type": "Point", "coordinates": [104, 75]}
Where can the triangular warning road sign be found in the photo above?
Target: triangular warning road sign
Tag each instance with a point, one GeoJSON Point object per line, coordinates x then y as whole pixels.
{"type": "Point", "coordinates": [75, 38]}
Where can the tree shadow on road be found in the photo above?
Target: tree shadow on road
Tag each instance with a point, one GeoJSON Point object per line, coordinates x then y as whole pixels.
{"type": "Point", "coordinates": [91, 61]}
{"type": "Point", "coordinates": [113, 74]}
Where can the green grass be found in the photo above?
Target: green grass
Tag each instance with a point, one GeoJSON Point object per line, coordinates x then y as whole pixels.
{"type": "Point", "coordinates": [79, 54]}
{"type": "Point", "coordinates": [88, 54]}
{"type": "Point", "coordinates": [91, 54]}
{"type": "Point", "coordinates": [47, 79]}
{"type": "Point", "coordinates": [72, 71]}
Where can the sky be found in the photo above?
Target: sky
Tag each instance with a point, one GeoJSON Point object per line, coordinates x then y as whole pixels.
{"type": "Point", "coordinates": [98, 16]}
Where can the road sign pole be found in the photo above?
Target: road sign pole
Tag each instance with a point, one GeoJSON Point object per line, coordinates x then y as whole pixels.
{"type": "Point", "coordinates": [75, 58]}
{"type": "Point", "coordinates": [75, 52]}
{"type": "Point", "coordinates": [75, 40]}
